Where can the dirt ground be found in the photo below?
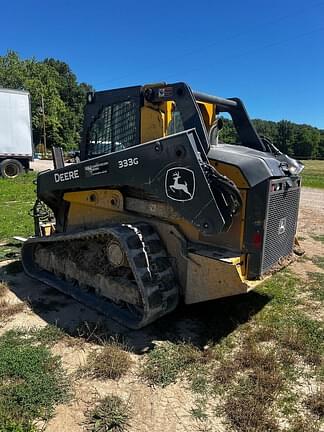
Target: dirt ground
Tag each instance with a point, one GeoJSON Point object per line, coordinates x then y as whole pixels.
{"type": "Point", "coordinates": [310, 224]}
{"type": "Point", "coordinates": [42, 165]}
{"type": "Point", "coordinates": [155, 409]}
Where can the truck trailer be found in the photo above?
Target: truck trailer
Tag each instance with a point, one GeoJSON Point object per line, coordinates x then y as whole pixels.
{"type": "Point", "coordinates": [16, 142]}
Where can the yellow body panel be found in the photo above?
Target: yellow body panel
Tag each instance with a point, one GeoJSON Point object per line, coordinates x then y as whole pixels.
{"type": "Point", "coordinates": [209, 279]}
{"type": "Point", "coordinates": [93, 206]}
{"type": "Point", "coordinates": [208, 112]}
{"type": "Point", "coordinates": [152, 123]}
{"type": "Point", "coordinates": [155, 118]}
{"type": "Point", "coordinates": [232, 172]}
{"type": "Point", "coordinates": [238, 226]}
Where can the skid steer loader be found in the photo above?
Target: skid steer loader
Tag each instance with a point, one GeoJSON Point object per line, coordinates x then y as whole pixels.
{"type": "Point", "coordinates": [158, 209]}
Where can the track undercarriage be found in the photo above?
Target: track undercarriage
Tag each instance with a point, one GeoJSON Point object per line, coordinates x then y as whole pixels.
{"type": "Point", "coordinates": [122, 271]}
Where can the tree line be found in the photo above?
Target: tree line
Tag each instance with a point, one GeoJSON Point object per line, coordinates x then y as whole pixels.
{"type": "Point", "coordinates": [54, 88]}
{"type": "Point", "coordinates": [303, 141]}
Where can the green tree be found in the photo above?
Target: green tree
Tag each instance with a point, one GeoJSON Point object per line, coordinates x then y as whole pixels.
{"type": "Point", "coordinates": [228, 133]}
{"type": "Point", "coordinates": [265, 128]}
{"type": "Point", "coordinates": [54, 82]}
{"type": "Point", "coordinates": [321, 145]}
{"type": "Point", "coordinates": [284, 138]}
{"type": "Point", "coordinates": [307, 141]}
{"type": "Point", "coordinates": [290, 138]}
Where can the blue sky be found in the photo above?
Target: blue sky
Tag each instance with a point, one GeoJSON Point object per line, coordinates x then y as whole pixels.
{"type": "Point", "coordinates": [268, 53]}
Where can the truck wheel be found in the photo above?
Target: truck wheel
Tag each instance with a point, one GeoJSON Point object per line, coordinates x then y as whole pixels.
{"type": "Point", "coordinates": [11, 168]}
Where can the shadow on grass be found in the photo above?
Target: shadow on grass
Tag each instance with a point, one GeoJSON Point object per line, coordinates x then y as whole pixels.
{"type": "Point", "coordinates": [200, 324]}
{"type": "Point", "coordinates": [208, 322]}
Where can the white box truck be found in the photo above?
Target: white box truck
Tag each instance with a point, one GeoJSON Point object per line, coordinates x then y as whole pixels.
{"type": "Point", "coordinates": [16, 142]}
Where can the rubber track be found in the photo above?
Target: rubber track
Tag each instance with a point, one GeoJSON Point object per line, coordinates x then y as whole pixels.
{"type": "Point", "coordinates": [156, 282]}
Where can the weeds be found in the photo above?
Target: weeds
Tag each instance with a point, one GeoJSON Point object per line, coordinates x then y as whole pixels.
{"type": "Point", "coordinates": [223, 375]}
{"type": "Point", "coordinates": [163, 364]}
{"type": "Point", "coordinates": [3, 289]}
{"type": "Point", "coordinates": [48, 335]}
{"type": "Point", "coordinates": [319, 237]}
{"type": "Point", "coordinates": [247, 407]}
{"type": "Point", "coordinates": [282, 288]}
{"type": "Point", "coordinates": [315, 403]}
{"type": "Point", "coordinates": [110, 414]}
{"type": "Point", "coordinates": [252, 378]}
{"type": "Point", "coordinates": [316, 286]}
{"type": "Point", "coordinates": [251, 381]}
{"type": "Point", "coordinates": [319, 261]}
{"type": "Point", "coordinates": [203, 427]}
{"type": "Point", "coordinates": [300, 424]}
{"type": "Point", "coordinates": [291, 328]}
{"type": "Point", "coordinates": [112, 362]}
{"type": "Point", "coordinates": [287, 403]}
{"type": "Point", "coordinates": [96, 332]}
{"type": "Point", "coordinates": [199, 380]}
{"type": "Point", "coordinates": [254, 370]}
{"type": "Point", "coordinates": [302, 335]}
{"type": "Point", "coordinates": [32, 382]}
{"type": "Point", "coordinates": [198, 412]}
{"type": "Point", "coordinates": [8, 309]}
{"type": "Point", "coordinates": [9, 425]}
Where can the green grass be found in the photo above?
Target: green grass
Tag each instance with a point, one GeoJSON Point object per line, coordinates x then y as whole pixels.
{"type": "Point", "coordinates": [316, 287]}
{"type": "Point", "coordinates": [283, 322]}
{"type": "Point", "coordinates": [249, 376]}
{"type": "Point", "coordinates": [313, 174]}
{"type": "Point", "coordinates": [319, 261]}
{"type": "Point", "coordinates": [167, 362]}
{"type": "Point", "coordinates": [16, 199]}
{"type": "Point", "coordinates": [319, 238]}
{"type": "Point", "coordinates": [32, 382]}
{"type": "Point", "coordinates": [46, 336]}
{"type": "Point", "coordinates": [258, 378]}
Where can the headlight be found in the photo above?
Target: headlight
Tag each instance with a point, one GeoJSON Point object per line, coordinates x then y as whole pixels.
{"type": "Point", "coordinates": [294, 167]}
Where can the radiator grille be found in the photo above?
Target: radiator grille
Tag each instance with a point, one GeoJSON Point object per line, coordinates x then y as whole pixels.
{"type": "Point", "coordinates": [280, 228]}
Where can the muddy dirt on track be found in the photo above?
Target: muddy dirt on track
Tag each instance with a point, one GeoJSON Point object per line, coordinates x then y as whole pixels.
{"type": "Point", "coordinates": [155, 409]}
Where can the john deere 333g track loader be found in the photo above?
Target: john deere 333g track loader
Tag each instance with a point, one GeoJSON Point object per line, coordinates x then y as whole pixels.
{"type": "Point", "coordinates": [158, 209]}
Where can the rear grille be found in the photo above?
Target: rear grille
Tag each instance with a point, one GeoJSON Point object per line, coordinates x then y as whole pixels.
{"type": "Point", "coordinates": [281, 224]}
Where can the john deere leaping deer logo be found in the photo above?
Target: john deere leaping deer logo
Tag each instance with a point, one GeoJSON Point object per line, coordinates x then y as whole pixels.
{"type": "Point", "coordinates": [180, 184]}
